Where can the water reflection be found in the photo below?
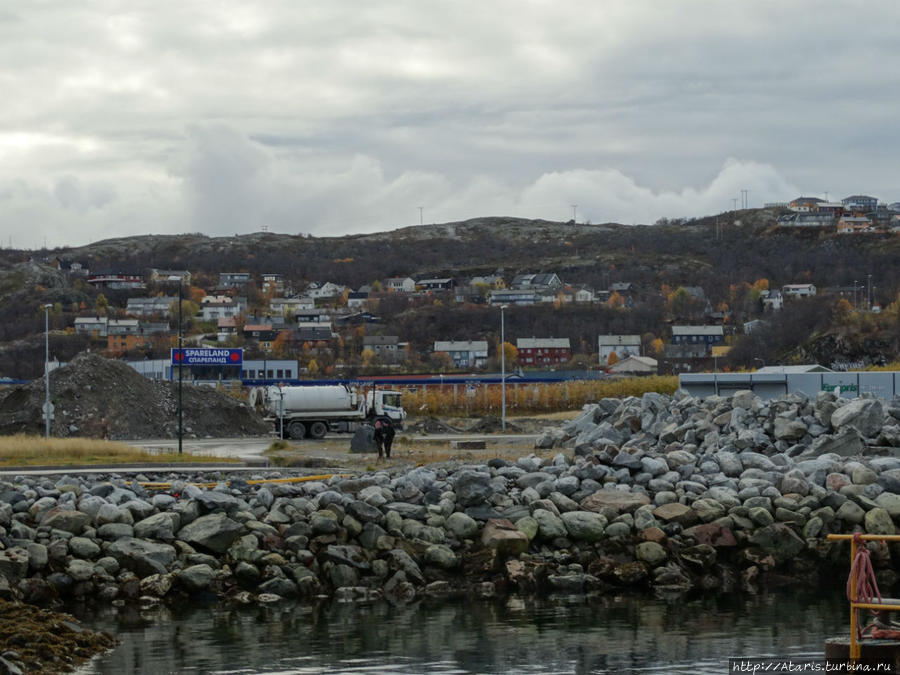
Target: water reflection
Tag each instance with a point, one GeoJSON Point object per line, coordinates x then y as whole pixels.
{"type": "Point", "coordinates": [560, 635]}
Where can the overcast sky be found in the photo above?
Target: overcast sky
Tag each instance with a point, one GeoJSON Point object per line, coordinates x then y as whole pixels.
{"type": "Point", "coordinates": [123, 118]}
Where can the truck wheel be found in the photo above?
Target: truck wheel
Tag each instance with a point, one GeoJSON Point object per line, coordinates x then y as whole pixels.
{"type": "Point", "coordinates": [318, 429]}
{"type": "Point", "coordinates": [296, 430]}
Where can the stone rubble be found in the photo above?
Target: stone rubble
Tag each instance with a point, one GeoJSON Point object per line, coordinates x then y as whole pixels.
{"type": "Point", "coordinates": [669, 493]}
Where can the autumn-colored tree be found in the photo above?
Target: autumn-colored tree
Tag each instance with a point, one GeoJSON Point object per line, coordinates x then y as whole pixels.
{"type": "Point", "coordinates": [510, 353]}
{"type": "Point", "coordinates": [101, 304]}
{"type": "Point", "coordinates": [615, 301]}
{"type": "Point", "coordinates": [657, 346]}
{"type": "Point", "coordinates": [312, 367]}
{"type": "Point", "coordinates": [612, 359]}
{"type": "Point", "coordinates": [282, 343]}
{"type": "Point", "coordinates": [367, 357]}
{"type": "Point", "coordinates": [196, 294]}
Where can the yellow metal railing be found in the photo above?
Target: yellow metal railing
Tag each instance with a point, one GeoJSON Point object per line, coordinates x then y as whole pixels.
{"type": "Point", "coordinates": [854, 600]}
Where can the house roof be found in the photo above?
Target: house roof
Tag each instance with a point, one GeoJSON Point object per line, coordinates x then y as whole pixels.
{"type": "Point", "coordinates": [381, 339]}
{"type": "Point", "coordinates": [698, 330]}
{"type": "Point", "coordinates": [616, 340]}
{"type": "Point", "coordinates": [626, 364]}
{"type": "Point", "coordinates": [257, 326]}
{"type": "Point", "coordinates": [543, 343]}
{"type": "Point", "coordinates": [787, 370]}
{"type": "Point", "coordinates": [461, 346]}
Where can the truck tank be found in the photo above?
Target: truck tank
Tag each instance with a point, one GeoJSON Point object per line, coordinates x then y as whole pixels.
{"type": "Point", "coordinates": [315, 398]}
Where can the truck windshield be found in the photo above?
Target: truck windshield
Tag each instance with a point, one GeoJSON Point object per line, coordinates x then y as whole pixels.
{"type": "Point", "coordinates": [392, 399]}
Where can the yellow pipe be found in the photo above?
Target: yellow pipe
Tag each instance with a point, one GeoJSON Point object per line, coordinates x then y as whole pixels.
{"type": "Point", "coordinates": [875, 605]}
{"type": "Point", "coordinates": [864, 537]}
{"type": "Point", "coordinates": [854, 629]}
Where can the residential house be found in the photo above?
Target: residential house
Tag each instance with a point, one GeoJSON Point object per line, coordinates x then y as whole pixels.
{"type": "Point", "coordinates": [316, 336]}
{"type": "Point", "coordinates": [357, 299]}
{"type": "Point", "coordinates": [543, 351]}
{"type": "Point", "coordinates": [315, 316]}
{"type": "Point", "coordinates": [798, 290]}
{"type": "Point", "coordinates": [261, 335]}
{"type": "Point", "coordinates": [465, 353]}
{"type": "Point", "coordinates": [543, 280]}
{"type": "Point", "coordinates": [859, 204]}
{"type": "Point", "coordinates": [854, 224]}
{"type": "Point", "coordinates": [387, 348]}
{"type": "Point", "coordinates": [513, 297]}
{"type": "Point", "coordinates": [622, 346]}
{"type": "Point", "coordinates": [128, 334]}
{"type": "Point", "coordinates": [832, 208]}
{"type": "Point", "coordinates": [399, 284]}
{"type": "Point", "coordinates": [328, 289]}
{"type": "Point", "coordinates": [445, 284]}
{"type": "Point", "coordinates": [116, 281]}
{"type": "Point", "coordinates": [150, 306]}
{"type": "Point", "coordinates": [95, 326]}
{"type": "Point", "coordinates": [356, 319]}
{"type": "Point", "coordinates": [272, 283]}
{"type": "Point", "coordinates": [584, 295]}
{"type": "Point", "coordinates": [754, 325]}
{"type": "Point", "coordinates": [705, 335]}
{"type": "Point", "coordinates": [227, 327]}
{"type": "Point", "coordinates": [215, 307]}
{"type": "Point", "coordinates": [635, 365]}
{"type": "Point", "coordinates": [165, 276]}
{"type": "Point", "coordinates": [804, 204]}
{"type": "Point", "coordinates": [772, 300]}
{"type": "Point", "coordinates": [283, 306]}
{"type": "Point", "coordinates": [233, 279]}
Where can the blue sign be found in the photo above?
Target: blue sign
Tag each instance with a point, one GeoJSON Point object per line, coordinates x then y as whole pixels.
{"type": "Point", "coordinates": [207, 356]}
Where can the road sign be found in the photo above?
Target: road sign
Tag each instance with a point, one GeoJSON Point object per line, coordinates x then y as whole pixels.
{"type": "Point", "coordinates": [207, 356]}
{"type": "Point", "coordinates": [45, 409]}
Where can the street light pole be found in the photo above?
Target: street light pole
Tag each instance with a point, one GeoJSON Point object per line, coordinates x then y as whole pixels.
{"type": "Point", "coordinates": [502, 368]}
{"type": "Point", "coordinates": [180, 371]}
{"type": "Point", "coordinates": [47, 370]}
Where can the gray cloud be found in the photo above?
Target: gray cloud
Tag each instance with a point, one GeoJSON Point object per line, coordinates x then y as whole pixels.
{"type": "Point", "coordinates": [340, 117]}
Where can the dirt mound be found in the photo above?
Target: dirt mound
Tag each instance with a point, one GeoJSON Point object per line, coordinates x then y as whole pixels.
{"type": "Point", "coordinates": [91, 389]}
{"type": "Point", "coordinates": [491, 425]}
{"type": "Point", "coordinates": [430, 425]}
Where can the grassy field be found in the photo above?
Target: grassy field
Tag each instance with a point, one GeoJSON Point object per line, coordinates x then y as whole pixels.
{"type": "Point", "coordinates": [21, 450]}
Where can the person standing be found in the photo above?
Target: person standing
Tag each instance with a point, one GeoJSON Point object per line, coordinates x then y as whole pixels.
{"type": "Point", "coordinates": [387, 437]}
{"type": "Point", "coordinates": [378, 437]}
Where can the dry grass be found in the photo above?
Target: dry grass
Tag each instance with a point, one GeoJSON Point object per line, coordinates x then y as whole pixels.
{"type": "Point", "coordinates": [529, 399]}
{"type": "Point", "coordinates": [22, 450]}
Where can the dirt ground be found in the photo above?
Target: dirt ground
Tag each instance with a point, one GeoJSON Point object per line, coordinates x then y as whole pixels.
{"type": "Point", "coordinates": [424, 441]}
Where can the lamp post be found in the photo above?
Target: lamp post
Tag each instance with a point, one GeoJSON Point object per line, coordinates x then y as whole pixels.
{"type": "Point", "coordinates": [180, 371]}
{"type": "Point", "coordinates": [502, 369]}
{"type": "Point", "coordinates": [47, 370]}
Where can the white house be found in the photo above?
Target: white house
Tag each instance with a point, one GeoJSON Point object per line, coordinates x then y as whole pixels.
{"type": "Point", "coordinates": [635, 365]}
{"type": "Point", "coordinates": [400, 284]}
{"type": "Point", "coordinates": [623, 346]}
{"type": "Point", "coordinates": [215, 307]}
{"type": "Point", "coordinates": [465, 354]}
{"type": "Point", "coordinates": [326, 290]}
{"type": "Point", "coordinates": [798, 290]}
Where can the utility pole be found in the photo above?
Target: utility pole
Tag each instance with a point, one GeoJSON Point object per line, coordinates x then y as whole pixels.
{"type": "Point", "coordinates": [574, 210]}
{"type": "Point", "coordinates": [420, 215]}
{"type": "Point", "coordinates": [869, 294]}
{"type": "Point", "coordinates": [48, 411]}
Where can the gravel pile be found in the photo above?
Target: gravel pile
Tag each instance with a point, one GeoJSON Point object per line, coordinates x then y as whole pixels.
{"type": "Point", "coordinates": [91, 389]}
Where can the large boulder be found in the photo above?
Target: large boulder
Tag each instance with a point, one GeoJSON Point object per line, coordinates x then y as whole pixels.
{"type": "Point", "coordinates": [472, 487]}
{"type": "Point", "coordinates": [866, 415]}
{"type": "Point", "coordinates": [584, 525]}
{"type": "Point", "coordinates": [142, 557]}
{"type": "Point", "coordinates": [214, 532]}
{"type": "Point", "coordinates": [779, 541]}
{"type": "Point", "coordinates": [618, 501]}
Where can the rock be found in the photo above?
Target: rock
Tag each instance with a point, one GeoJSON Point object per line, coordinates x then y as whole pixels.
{"type": "Point", "coordinates": [651, 553]}
{"type": "Point", "coordinates": [712, 534]}
{"type": "Point", "coordinates": [215, 532]}
{"type": "Point", "coordinates": [675, 513]}
{"type": "Point", "coordinates": [82, 547]}
{"type": "Point", "coordinates": [158, 526]}
{"type": "Point", "coordinates": [866, 415]}
{"type": "Point", "coordinates": [618, 501]}
{"type": "Point", "coordinates": [878, 521]}
{"type": "Point", "coordinates": [441, 556]}
{"type": "Point", "coordinates": [472, 487]}
{"type": "Point", "coordinates": [851, 513]}
{"type": "Point", "coordinates": [196, 577]}
{"type": "Point", "coordinates": [13, 563]}
{"type": "Point", "coordinates": [68, 521]}
{"type": "Point", "coordinates": [630, 573]}
{"type": "Point", "coordinates": [584, 525]}
{"type": "Point", "coordinates": [505, 538]}
{"type": "Point", "coordinates": [461, 525]}
{"type": "Point", "coordinates": [847, 443]}
{"type": "Point", "coordinates": [550, 526]}
{"type": "Point", "coordinates": [142, 557]}
{"type": "Point", "coordinates": [779, 541]}
{"type": "Point", "coordinates": [789, 430]}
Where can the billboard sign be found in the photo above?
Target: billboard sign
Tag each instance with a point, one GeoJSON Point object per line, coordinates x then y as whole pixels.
{"type": "Point", "coordinates": [207, 356]}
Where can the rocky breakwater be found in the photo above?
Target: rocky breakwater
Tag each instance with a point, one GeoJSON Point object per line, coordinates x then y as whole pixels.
{"type": "Point", "coordinates": [669, 493]}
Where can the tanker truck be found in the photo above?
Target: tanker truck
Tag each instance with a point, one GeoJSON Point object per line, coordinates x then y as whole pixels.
{"type": "Point", "coordinates": [315, 410]}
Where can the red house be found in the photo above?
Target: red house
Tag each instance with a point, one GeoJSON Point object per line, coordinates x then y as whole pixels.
{"type": "Point", "coordinates": [543, 351]}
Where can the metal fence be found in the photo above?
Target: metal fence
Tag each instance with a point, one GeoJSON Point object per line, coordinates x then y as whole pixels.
{"type": "Point", "coordinates": [772, 385]}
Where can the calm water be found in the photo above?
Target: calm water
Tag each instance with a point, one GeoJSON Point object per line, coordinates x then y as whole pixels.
{"type": "Point", "coordinates": [624, 634]}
